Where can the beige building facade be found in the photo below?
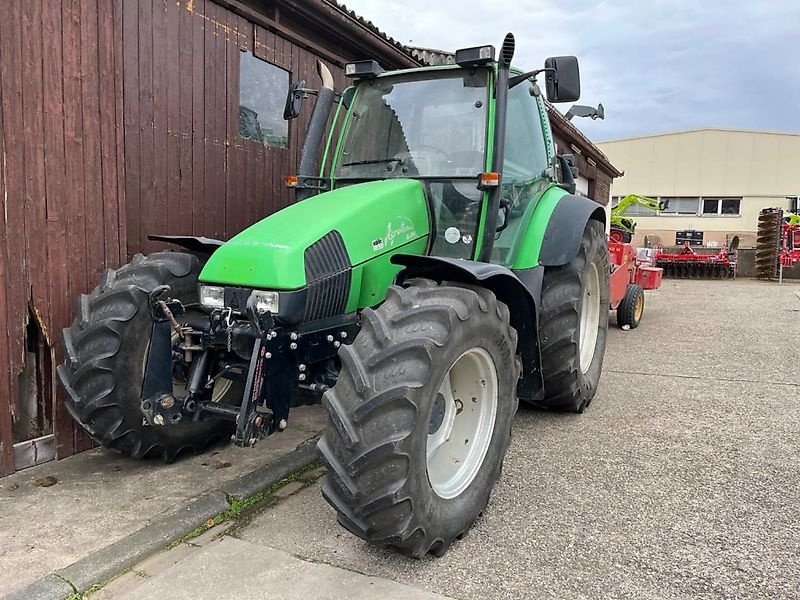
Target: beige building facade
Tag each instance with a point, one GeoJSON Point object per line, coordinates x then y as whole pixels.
{"type": "Point", "coordinates": [716, 181]}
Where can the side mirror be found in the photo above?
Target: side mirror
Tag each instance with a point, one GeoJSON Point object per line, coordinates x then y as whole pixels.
{"type": "Point", "coordinates": [294, 100]}
{"type": "Point", "coordinates": [563, 79]}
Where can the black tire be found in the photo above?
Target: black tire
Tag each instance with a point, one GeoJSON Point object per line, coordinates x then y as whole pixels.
{"type": "Point", "coordinates": [106, 348]}
{"type": "Point", "coordinates": [380, 411]}
{"type": "Point", "coordinates": [567, 386]}
{"type": "Point", "coordinates": [631, 309]}
{"type": "Point", "coordinates": [625, 237]}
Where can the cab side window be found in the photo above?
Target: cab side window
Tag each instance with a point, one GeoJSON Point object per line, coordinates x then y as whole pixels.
{"type": "Point", "coordinates": [524, 164]}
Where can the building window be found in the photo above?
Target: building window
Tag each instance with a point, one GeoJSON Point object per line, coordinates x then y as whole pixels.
{"type": "Point", "coordinates": [262, 95]}
{"type": "Point", "coordinates": [681, 205]}
{"type": "Point", "coordinates": [635, 209]}
{"type": "Point", "coordinates": [722, 206]}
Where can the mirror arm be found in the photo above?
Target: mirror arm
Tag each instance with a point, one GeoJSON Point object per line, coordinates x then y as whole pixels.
{"type": "Point", "coordinates": [517, 79]}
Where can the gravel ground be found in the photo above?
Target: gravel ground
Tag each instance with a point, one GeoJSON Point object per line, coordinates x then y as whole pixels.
{"type": "Point", "coordinates": [680, 481]}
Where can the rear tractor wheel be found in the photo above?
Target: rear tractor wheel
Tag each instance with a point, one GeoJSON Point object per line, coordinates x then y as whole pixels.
{"type": "Point", "coordinates": [420, 417]}
{"type": "Point", "coordinates": [107, 348]}
{"type": "Point", "coordinates": [573, 324]}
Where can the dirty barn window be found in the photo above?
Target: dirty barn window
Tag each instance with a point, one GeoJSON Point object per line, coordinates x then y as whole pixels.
{"type": "Point", "coordinates": [262, 93]}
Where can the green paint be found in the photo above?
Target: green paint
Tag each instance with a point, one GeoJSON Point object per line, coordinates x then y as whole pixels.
{"type": "Point", "coordinates": [374, 219]}
{"type": "Point", "coordinates": [530, 244]}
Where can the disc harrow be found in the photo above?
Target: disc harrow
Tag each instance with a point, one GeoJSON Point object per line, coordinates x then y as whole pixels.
{"type": "Point", "coordinates": [777, 242]}
{"type": "Point", "coordinates": [688, 264]}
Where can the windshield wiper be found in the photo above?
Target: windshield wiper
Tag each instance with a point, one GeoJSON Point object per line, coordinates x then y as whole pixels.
{"type": "Point", "coordinates": [372, 161]}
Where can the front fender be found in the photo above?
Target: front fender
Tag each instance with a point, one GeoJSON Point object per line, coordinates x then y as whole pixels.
{"type": "Point", "coordinates": [509, 289]}
{"type": "Point", "coordinates": [562, 237]}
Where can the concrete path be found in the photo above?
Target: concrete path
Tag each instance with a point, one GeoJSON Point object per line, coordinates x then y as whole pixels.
{"type": "Point", "coordinates": [59, 512]}
{"type": "Point", "coordinates": [680, 481]}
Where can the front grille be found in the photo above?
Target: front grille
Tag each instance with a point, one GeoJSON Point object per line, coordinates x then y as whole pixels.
{"type": "Point", "coordinates": [327, 277]}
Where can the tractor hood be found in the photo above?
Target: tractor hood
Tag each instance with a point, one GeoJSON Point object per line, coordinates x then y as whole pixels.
{"type": "Point", "coordinates": [373, 219]}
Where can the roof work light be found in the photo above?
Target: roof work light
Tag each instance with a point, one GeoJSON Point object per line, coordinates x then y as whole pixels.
{"type": "Point", "coordinates": [363, 69]}
{"type": "Point", "coordinates": [475, 57]}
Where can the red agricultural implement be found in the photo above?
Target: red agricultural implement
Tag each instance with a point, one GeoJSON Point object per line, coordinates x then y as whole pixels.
{"type": "Point", "coordinates": [629, 279]}
{"type": "Point", "coordinates": [778, 242]}
{"type": "Point", "coordinates": [688, 264]}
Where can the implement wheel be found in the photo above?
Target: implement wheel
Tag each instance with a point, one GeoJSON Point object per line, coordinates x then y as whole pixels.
{"type": "Point", "coordinates": [107, 347]}
{"type": "Point", "coordinates": [630, 310]}
{"type": "Point", "coordinates": [574, 323]}
{"type": "Point", "coordinates": [420, 417]}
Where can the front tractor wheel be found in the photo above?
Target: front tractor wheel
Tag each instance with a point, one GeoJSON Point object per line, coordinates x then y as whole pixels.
{"type": "Point", "coordinates": [420, 417]}
{"type": "Point", "coordinates": [106, 355]}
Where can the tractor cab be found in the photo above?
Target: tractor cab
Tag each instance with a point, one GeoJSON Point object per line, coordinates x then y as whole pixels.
{"type": "Point", "coordinates": [441, 126]}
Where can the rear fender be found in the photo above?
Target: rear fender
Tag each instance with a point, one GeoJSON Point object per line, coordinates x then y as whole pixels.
{"type": "Point", "coordinates": [508, 288]}
{"type": "Point", "coordinates": [562, 237]}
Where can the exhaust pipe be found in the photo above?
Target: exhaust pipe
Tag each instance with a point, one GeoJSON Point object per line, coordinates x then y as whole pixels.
{"type": "Point", "coordinates": [309, 155]}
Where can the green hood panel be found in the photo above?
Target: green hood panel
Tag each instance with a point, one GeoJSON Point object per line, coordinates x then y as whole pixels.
{"type": "Point", "coordinates": [373, 218]}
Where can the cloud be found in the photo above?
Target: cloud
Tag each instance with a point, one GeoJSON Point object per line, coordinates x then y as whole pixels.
{"type": "Point", "coordinates": [655, 66]}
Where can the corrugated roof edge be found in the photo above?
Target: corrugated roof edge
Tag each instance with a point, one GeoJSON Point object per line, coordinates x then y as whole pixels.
{"type": "Point", "coordinates": [374, 29]}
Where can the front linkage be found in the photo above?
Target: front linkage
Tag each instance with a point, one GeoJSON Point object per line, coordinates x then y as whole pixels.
{"type": "Point", "coordinates": [274, 358]}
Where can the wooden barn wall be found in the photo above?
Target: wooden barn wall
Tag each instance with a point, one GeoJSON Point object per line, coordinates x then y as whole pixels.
{"type": "Point", "coordinates": [119, 118]}
{"type": "Point", "coordinates": [187, 171]}
{"type": "Point", "coordinates": [63, 217]}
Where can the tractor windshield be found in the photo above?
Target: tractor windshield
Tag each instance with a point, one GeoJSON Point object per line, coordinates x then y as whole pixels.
{"type": "Point", "coordinates": [416, 126]}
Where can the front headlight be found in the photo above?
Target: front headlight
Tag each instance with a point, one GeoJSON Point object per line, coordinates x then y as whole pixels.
{"type": "Point", "coordinates": [212, 296]}
{"type": "Point", "coordinates": [266, 301]}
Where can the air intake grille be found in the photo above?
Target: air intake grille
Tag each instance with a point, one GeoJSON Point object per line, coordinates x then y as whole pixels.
{"type": "Point", "coordinates": [327, 276]}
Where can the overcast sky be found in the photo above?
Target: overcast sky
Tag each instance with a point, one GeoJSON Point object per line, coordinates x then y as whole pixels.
{"type": "Point", "coordinates": [657, 65]}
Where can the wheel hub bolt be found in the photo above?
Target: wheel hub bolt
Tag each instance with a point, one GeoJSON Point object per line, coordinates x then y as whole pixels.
{"type": "Point", "coordinates": [293, 336]}
{"type": "Point", "coordinates": [268, 355]}
{"type": "Point", "coordinates": [330, 338]}
{"type": "Point", "coordinates": [293, 346]}
{"type": "Point", "coordinates": [158, 420]}
{"type": "Point", "coordinates": [282, 424]}
{"type": "Point", "coordinates": [301, 368]}
{"type": "Point", "coordinates": [168, 402]}
{"type": "Point", "coordinates": [343, 334]}
{"type": "Point", "coordinates": [337, 343]}
{"type": "Point", "coordinates": [302, 377]}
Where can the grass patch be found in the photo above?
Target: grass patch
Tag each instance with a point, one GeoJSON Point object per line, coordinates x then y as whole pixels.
{"type": "Point", "coordinates": [243, 510]}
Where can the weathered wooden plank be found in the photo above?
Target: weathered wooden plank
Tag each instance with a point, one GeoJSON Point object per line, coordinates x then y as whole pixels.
{"type": "Point", "coordinates": [93, 200]}
{"type": "Point", "coordinates": [217, 74]}
{"type": "Point", "coordinates": [183, 127]}
{"type": "Point", "coordinates": [198, 116]}
{"type": "Point", "coordinates": [147, 147]}
{"type": "Point", "coordinates": [33, 133]}
{"type": "Point", "coordinates": [73, 194]}
{"type": "Point", "coordinates": [132, 135]}
{"type": "Point", "coordinates": [6, 452]}
{"type": "Point", "coordinates": [107, 141]}
{"type": "Point", "coordinates": [55, 178]}
{"type": "Point", "coordinates": [233, 162]}
{"type": "Point", "coordinates": [163, 211]}
{"type": "Point", "coordinates": [119, 128]}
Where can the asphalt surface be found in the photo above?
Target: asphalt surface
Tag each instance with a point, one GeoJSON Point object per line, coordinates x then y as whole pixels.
{"type": "Point", "coordinates": [681, 480]}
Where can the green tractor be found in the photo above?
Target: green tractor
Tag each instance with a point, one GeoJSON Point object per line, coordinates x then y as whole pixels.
{"type": "Point", "coordinates": [440, 270]}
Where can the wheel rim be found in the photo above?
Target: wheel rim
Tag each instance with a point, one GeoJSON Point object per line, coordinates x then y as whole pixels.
{"type": "Point", "coordinates": [590, 317]}
{"type": "Point", "coordinates": [462, 423]}
{"type": "Point", "coordinates": [637, 313]}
